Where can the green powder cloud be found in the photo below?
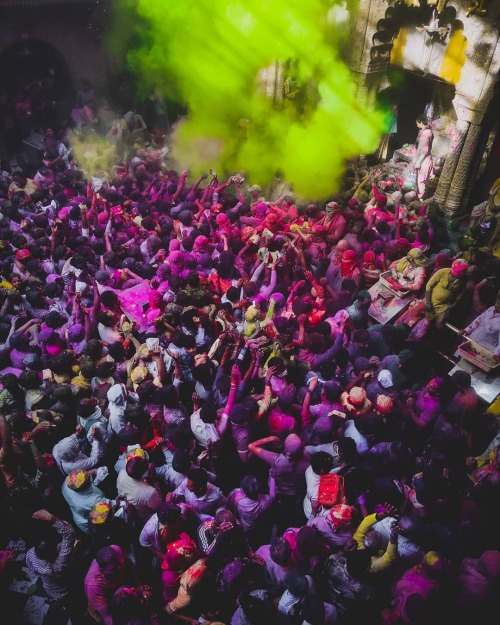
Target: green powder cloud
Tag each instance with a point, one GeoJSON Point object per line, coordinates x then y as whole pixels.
{"type": "Point", "coordinates": [219, 57]}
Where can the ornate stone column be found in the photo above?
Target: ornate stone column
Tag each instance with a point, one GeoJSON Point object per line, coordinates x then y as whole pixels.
{"type": "Point", "coordinates": [462, 176]}
{"type": "Point", "coordinates": [450, 164]}
{"type": "Point", "coordinates": [459, 163]}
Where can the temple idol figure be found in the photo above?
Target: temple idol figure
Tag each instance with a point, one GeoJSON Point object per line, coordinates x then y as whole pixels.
{"type": "Point", "coordinates": [422, 161]}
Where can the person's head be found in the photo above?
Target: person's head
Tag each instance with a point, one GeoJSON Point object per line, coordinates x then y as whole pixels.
{"type": "Point", "coordinates": [33, 362]}
{"type": "Point", "coordinates": [180, 555]}
{"type": "Point", "coordinates": [106, 319]}
{"type": "Point", "coordinates": [204, 373]}
{"type": "Point", "coordinates": [189, 344]}
{"type": "Point", "coordinates": [47, 545]}
{"type": "Point", "coordinates": [239, 414]}
{"type": "Point", "coordinates": [332, 208]}
{"type": "Point", "coordinates": [358, 563]}
{"type": "Point", "coordinates": [77, 480]}
{"type": "Point", "coordinates": [93, 349]}
{"type": "Point", "coordinates": [346, 449]}
{"type": "Point", "coordinates": [169, 515]}
{"type": "Point", "coordinates": [297, 584]}
{"type": "Point", "coordinates": [136, 467]}
{"type": "Point", "coordinates": [321, 462]}
{"type": "Point", "coordinates": [105, 370]}
{"type": "Point", "coordinates": [373, 542]}
{"type": "Point", "coordinates": [109, 299]}
{"type": "Point", "coordinates": [250, 486]}
{"type": "Point", "coordinates": [167, 396]}
{"type": "Point", "coordinates": [384, 378]}
{"type": "Point", "coordinates": [20, 341]}
{"type": "Point", "coordinates": [181, 461]}
{"type": "Point", "coordinates": [129, 435]}
{"type": "Point", "coordinates": [110, 562]}
{"type": "Point", "coordinates": [436, 387]}
{"type": "Point", "coordinates": [117, 351]}
{"type": "Point", "coordinates": [86, 407]}
{"type": "Point", "coordinates": [405, 358]}
{"type": "Point", "coordinates": [54, 320]}
{"type": "Point", "coordinates": [224, 517]}
{"type": "Point", "coordinates": [341, 516]}
{"type": "Point", "coordinates": [126, 606]}
{"type": "Point", "coordinates": [360, 364]}
{"type": "Point", "coordinates": [293, 446]}
{"type": "Point", "coordinates": [258, 608]}
{"type": "Point", "coordinates": [416, 257]}
{"type": "Point", "coordinates": [255, 191]}
{"type": "Point", "coordinates": [208, 413]}
{"type": "Point", "coordinates": [364, 300]}
{"type": "Point", "coordinates": [331, 391]}
{"type": "Point", "coordinates": [384, 404]}
{"type": "Point", "coordinates": [307, 541]}
{"type": "Point", "coordinates": [62, 393]}
{"type": "Point", "coordinates": [30, 380]}
{"type": "Point", "coordinates": [280, 552]}
{"type": "Point", "coordinates": [197, 480]}
{"type": "Point", "coordinates": [361, 337]}
{"type": "Point", "coordinates": [462, 380]}
{"type": "Point", "coordinates": [459, 268]}
{"type": "Point", "coordinates": [422, 121]}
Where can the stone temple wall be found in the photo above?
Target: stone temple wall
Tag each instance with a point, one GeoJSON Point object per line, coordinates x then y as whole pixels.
{"type": "Point", "coordinates": [456, 42]}
{"type": "Point", "coordinates": [73, 29]}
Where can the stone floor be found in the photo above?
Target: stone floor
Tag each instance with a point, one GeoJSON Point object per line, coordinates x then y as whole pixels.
{"type": "Point", "coordinates": [25, 600]}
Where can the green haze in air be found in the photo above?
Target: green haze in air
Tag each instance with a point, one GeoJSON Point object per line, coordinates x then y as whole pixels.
{"type": "Point", "coordinates": [218, 56]}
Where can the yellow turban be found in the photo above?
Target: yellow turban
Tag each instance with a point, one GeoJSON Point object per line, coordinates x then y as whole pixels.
{"type": "Point", "coordinates": [76, 480]}
{"type": "Point", "coordinates": [139, 374]}
{"type": "Point", "coordinates": [100, 512]}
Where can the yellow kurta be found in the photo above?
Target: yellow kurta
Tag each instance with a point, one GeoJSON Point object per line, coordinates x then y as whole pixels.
{"type": "Point", "coordinates": [445, 291]}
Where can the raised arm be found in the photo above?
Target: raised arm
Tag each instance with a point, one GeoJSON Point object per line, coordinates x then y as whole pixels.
{"type": "Point", "coordinates": [180, 186]}
{"type": "Point", "coordinates": [194, 188]}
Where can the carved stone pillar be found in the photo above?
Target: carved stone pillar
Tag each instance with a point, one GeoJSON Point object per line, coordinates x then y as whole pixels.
{"type": "Point", "coordinates": [459, 163]}
{"type": "Point", "coordinates": [451, 161]}
{"type": "Point", "coordinates": [462, 176]}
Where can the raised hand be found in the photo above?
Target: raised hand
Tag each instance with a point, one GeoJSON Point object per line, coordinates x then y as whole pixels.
{"type": "Point", "coordinates": [269, 374]}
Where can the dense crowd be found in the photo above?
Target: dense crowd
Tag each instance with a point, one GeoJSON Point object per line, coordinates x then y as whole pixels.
{"type": "Point", "coordinates": [201, 422]}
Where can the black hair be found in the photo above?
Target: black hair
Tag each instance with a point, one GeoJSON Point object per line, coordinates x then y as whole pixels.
{"type": "Point", "coordinates": [167, 396]}
{"type": "Point", "coordinates": [93, 349]}
{"type": "Point", "coordinates": [181, 461]}
{"type": "Point", "coordinates": [280, 551]}
{"type": "Point", "coordinates": [332, 391]}
{"type": "Point", "coordinates": [168, 513]}
{"type": "Point", "coordinates": [136, 467]}
{"type": "Point", "coordinates": [346, 449]}
{"type": "Point", "coordinates": [321, 462]}
{"type": "Point", "coordinates": [297, 584]}
{"type": "Point", "coordinates": [358, 563]}
{"type": "Point", "coordinates": [85, 408]}
{"type": "Point", "coordinates": [250, 486]}
{"type": "Point", "coordinates": [109, 299]}
{"type": "Point", "coordinates": [30, 380]}
{"type": "Point", "coordinates": [198, 476]}
{"type": "Point", "coordinates": [238, 414]}
{"type": "Point", "coordinates": [106, 555]}
{"type": "Point", "coordinates": [208, 413]}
